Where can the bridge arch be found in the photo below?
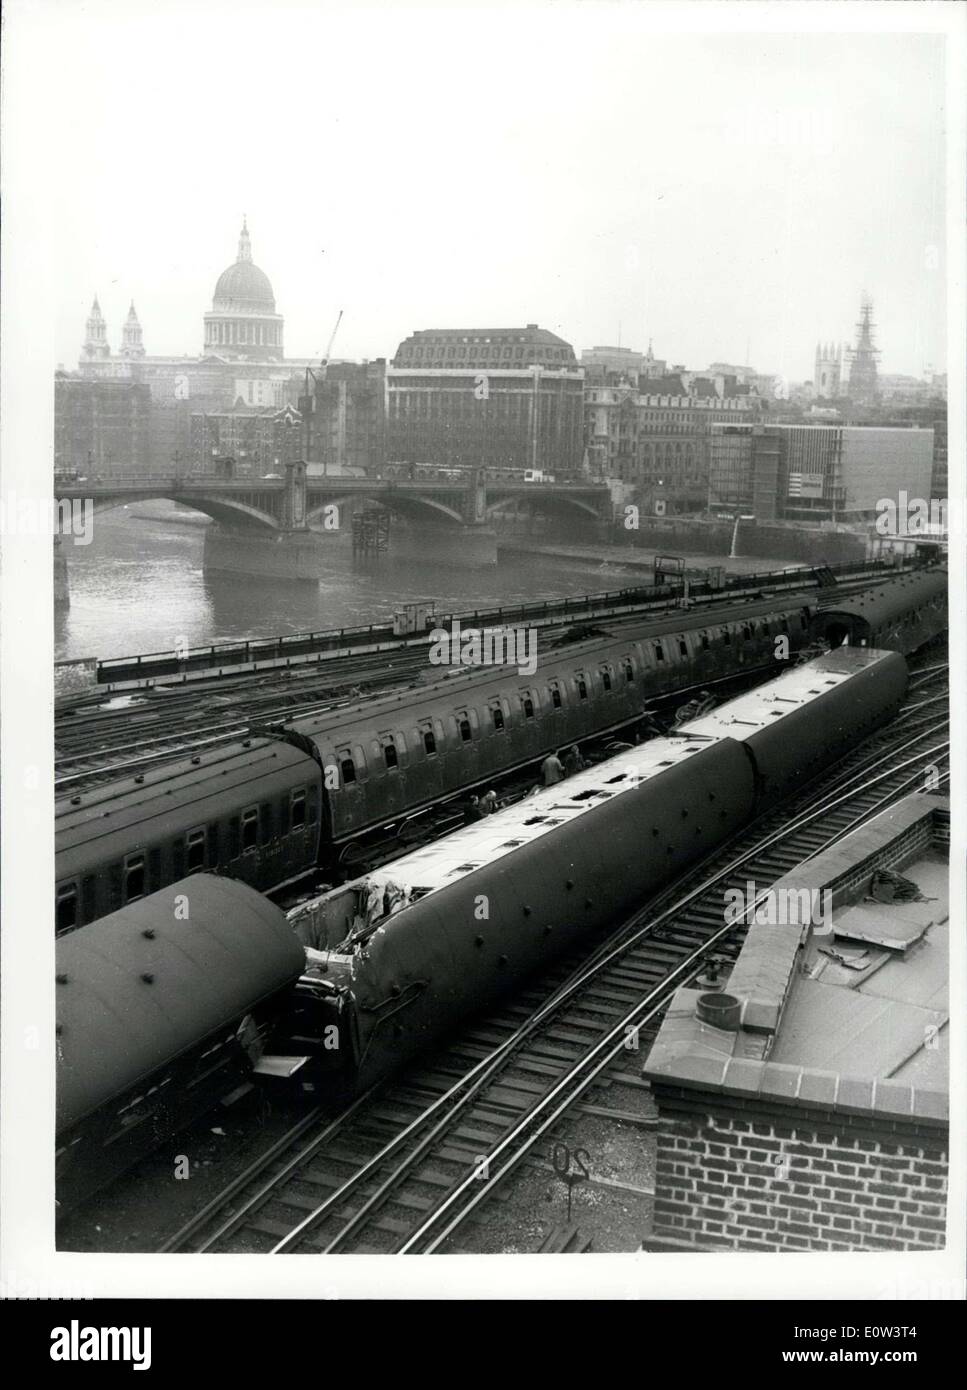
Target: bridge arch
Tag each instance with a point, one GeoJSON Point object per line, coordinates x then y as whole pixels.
{"type": "Point", "coordinates": [408, 507]}
{"type": "Point", "coordinates": [234, 514]}
{"type": "Point", "coordinates": [538, 500]}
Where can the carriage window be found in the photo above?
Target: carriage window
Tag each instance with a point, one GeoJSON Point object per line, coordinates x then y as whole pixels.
{"type": "Point", "coordinates": [133, 877]}
{"type": "Point", "coordinates": [605, 678]}
{"type": "Point", "coordinates": [746, 633]}
{"type": "Point", "coordinates": [390, 755]}
{"type": "Point", "coordinates": [195, 845]}
{"type": "Point", "coordinates": [250, 829]}
{"type": "Point", "coordinates": [528, 706]}
{"type": "Point", "coordinates": [683, 646]}
{"type": "Point", "coordinates": [66, 907]}
{"type": "Point", "coordinates": [463, 724]}
{"type": "Point", "coordinates": [629, 672]}
{"type": "Point", "coordinates": [555, 690]}
{"type": "Point", "coordinates": [297, 815]}
{"type": "Point", "coordinates": [802, 622]}
{"type": "Point", "coordinates": [429, 741]}
{"type": "Point", "coordinates": [659, 652]}
{"type": "Point", "coordinates": [347, 768]}
{"type": "Point", "coordinates": [704, 637]}
{"type": "Point", "coordinates": [582, 688]}
{"type": "Point", "coordinates": [498, 717]}
{"type": "Point", "coordinates": [784, 624]}
{"type": "Point", "coordinates": [727, 636]}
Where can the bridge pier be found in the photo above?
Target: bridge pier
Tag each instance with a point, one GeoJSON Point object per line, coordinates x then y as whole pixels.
{"type": "Point", "coordinates": [473, 547]}
{"type": "Point", "coordinates": [270, 555]}
{"type": "Point", "coordinates": [62, 590]}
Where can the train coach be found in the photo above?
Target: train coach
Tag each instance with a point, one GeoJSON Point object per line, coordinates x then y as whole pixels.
{"type": "Point", "coordinates": [161, 1012]}
{"type": "Point", "coordinates": [900, 615]}
{"type": "Point", "coordinates": [269, 810]}
{"type": "Point", "coordinates": [401, 955]}
{"type": "Point", "coordinates": [160, 1018]}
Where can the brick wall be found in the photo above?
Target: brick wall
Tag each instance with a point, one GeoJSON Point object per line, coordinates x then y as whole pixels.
{"type": "Point", "coordinates": [725, 1181]}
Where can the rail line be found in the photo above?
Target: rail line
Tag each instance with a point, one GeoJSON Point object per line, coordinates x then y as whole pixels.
{"type": "Point", "coordinates": [95, 744]}
{"type": "Point", "coordinates": [410, 1163]}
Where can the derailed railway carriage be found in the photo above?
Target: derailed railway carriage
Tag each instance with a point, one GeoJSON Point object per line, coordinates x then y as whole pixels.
{"type": "Point", "coordinates": [151, 1009]}
{"type": "Point", "coordinates": [401, 955]}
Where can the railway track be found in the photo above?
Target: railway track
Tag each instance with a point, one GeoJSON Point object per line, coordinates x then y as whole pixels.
{"type": "Point", "coordinates": [410, 1165]}
{"type": "Point", "coordinates": [94, 743]}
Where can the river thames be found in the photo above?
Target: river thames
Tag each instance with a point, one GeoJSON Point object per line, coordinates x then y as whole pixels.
{"type": "Point", "coordinates": [140, 587]}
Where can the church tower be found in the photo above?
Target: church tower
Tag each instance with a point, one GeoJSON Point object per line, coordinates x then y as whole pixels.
{"type": "Point", "coordinates": [828, 371]}
{"type": "Point", "coordinates": [131, 343]}
{"type": "Point", "coordinates": [96, 347]}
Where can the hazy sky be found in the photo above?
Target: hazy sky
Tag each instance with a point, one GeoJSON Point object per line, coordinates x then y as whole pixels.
{"type": "Point", "coordinates": [720, 193]}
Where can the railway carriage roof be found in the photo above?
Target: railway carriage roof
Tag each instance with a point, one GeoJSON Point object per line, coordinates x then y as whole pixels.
{"type": "Point", "coordinates": [767, 704]}
{"type": "Point", "coordinates": [455, 689]}
{"type": "Point", "coordinates": [886, 602]}
{"type": "Point", "coordinates": [129, 1002]}
{"type": "Point", "coordinates": [178, 789]}
{"type": "Point", "coordinates": [444, 861]}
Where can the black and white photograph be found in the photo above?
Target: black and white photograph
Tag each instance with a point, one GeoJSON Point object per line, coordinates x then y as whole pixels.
{"type": "Point", "coordinates": [482, 523]}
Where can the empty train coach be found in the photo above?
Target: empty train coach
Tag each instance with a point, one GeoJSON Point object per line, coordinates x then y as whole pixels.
{"type": "Point", "coordinates": [269, 810]}
{"type": "Point", "coordinates": [900, 615]}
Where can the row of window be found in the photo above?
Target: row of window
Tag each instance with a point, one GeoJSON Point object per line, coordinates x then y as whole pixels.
{"type": "Point", "coordinates": [254, 826]}
{"type": "Point", "coordinates": [389, 751]}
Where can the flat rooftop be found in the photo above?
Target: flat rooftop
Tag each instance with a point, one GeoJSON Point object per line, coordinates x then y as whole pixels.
{"type": "Point", "coordinates": [843, 1001]}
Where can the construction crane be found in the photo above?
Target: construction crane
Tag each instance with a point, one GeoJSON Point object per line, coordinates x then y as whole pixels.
{"type": "Point", "coordinates": [332, 339]}
{"type": "Point", "coordinates": [315, 378]}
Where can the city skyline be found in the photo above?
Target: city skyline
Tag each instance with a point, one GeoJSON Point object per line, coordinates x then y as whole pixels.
{"type": "Point", "coordinates": [728, 196]}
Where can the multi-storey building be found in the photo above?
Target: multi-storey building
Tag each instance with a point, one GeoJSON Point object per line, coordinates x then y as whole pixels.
{"type": "Point", "coordinates": [258, 442]}
{"type": "Point", "coordinates": [839, 473]}
{"type": "Point", "coordinates": [743, 473]}
{"type": "Point", "coordinates": [345, 417]}
{"type": "Point", "coordinates": [654, 434]}
{"type": "Point", "coordinates": [101, 428]}
{"type": "Point", "coordinates": [506, 398]}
